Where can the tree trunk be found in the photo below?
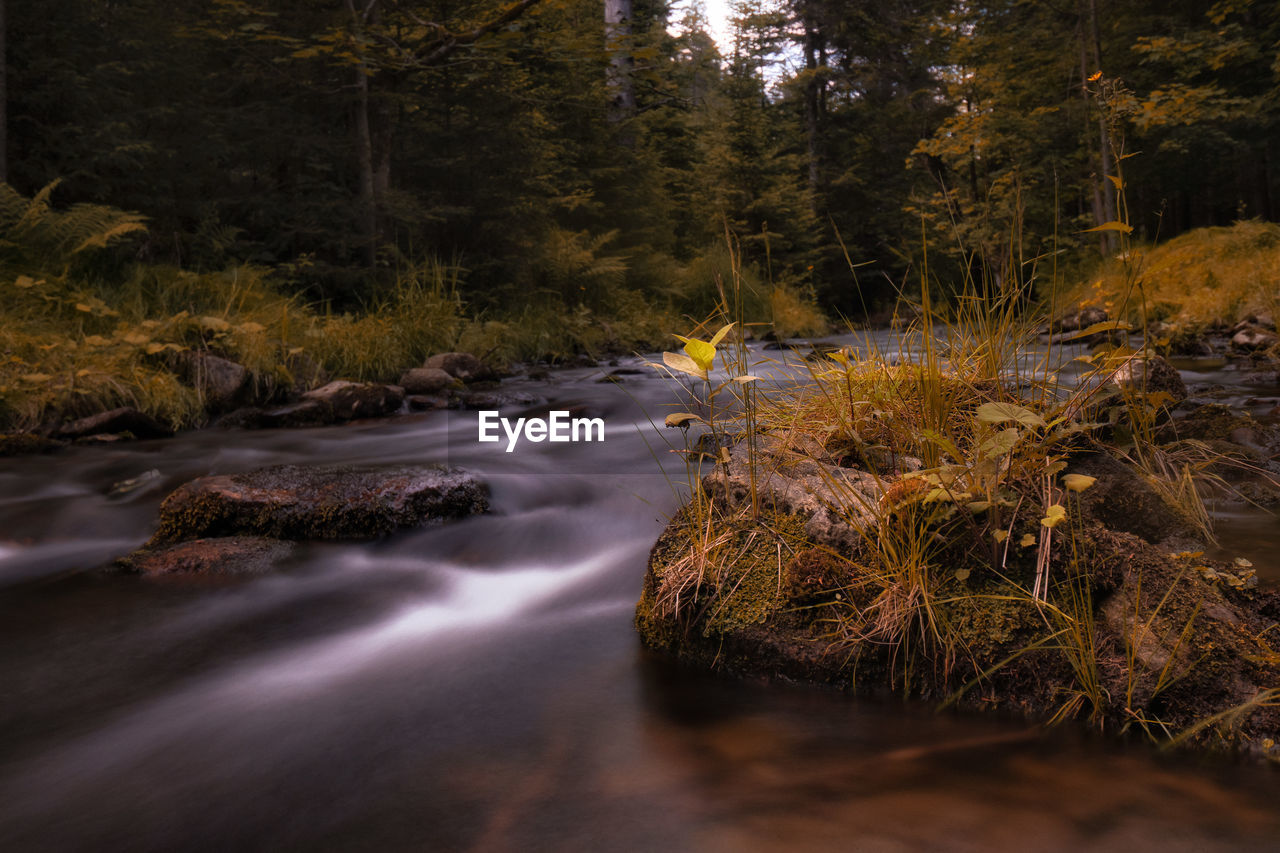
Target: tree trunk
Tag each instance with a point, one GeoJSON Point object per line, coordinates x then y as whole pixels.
{"type": "Point", "coordinates": [367, 177]}
{"type": "Point", "coordinates": [814, 58]}
{"type": "Point", "coordinates": [4, 100]}
{"type": "Point", "coordinates": [367, 199]}
{"type": "Point", "coordinates": [617, 35]}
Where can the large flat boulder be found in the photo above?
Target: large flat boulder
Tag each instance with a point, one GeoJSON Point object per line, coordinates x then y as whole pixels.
{"type": "Point", "coordinates": [318, 502]}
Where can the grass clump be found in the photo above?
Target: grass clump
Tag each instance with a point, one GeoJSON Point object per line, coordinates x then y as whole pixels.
{"type": "Point", "coordinates": [975, 564]}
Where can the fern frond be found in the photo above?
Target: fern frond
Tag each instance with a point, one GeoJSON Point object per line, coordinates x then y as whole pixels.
{"type": "Point", "coordinates": [34, 233]}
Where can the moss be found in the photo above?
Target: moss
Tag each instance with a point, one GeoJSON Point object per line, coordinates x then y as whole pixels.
{"type": "Point", "coordinates": [1210, 422]}
{"type": "Point", "coordinates": [750, 589]}
{"type": "Point", "coordinates": [988, 625]}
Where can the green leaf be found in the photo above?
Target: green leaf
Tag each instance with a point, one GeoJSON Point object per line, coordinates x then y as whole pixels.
{"type": "Point", "coordinates": [1054, 467]}
{"type": "Point", "coordinates": [998, 413]}
{"type": "Point", "coordinates": [1000, 444]}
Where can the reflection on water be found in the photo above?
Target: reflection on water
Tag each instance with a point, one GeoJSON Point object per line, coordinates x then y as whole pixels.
{"type": "Point", "coordinates": [478, 686]}
{"type": "Point", "coordinates": [1251, 533]}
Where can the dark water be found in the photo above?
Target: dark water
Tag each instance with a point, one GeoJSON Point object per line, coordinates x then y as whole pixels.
{"type": "Point", "coordinates": [479, 686]}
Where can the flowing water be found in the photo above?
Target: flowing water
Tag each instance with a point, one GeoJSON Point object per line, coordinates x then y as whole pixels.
{"type": "Point", "coordinates": [479, 686]}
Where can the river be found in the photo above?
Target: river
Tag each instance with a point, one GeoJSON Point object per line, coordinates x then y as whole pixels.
{"type": "Point", "coordinates": [479, 685]}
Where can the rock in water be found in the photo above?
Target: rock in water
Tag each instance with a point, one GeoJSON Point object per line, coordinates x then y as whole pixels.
{"type": "Point", "coordinates": [1253, 339]}
{"type": "Point", "coordinates": [232, 555]}
{"type": "Point", "coordinates": [115, 421]}
{"type": "Point", "coordinates": [350, 400]}
{"type": "Point", "coordinates": [426, 380]}
{"type": "Point", "coordinates": [1152, 375]}
{"type": "Point", "coordinates": [461, 365]}
{"type": "Point", "coordinates": [302, 414]}
{"type": "Point", "coordinates": [318, 502]}
{"type": "Point", "coordinates": [222, 384]}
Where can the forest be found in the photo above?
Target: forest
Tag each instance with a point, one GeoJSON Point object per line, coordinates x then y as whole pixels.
{"type": "Point", "coordinates": [925, 358]}
{"type": "Point", "coordinates": [557, 156]}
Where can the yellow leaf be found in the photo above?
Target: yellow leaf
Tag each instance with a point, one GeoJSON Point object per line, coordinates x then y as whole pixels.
{"type": "Point", "coordinates": [702, 353]}
{"type": "Point", "coordinates": [1112, 226]}
{"type": "Point", "coordinates": [684, 364]}
{"type": "Point", "coordinates": [35, 378]}
{"type": "Point", "coordinates": [1096, 328]}
{"type": "Point", "coordinates": [1078, 482]}
{"type": "Point", "coordinates": [213, 324]}
{"type": "Point", "coordinates": [681, 419]}
{"type": "Point", "coordinates": [80, 306]}
{"type": "Point", "coordinates": [997, 413]}
{"type": "Point", "coordinates": [999, 535]}
{"type": "Point", "coordinates": [1028, 539]}
{"type": "Point", "coordinates": [1053, 515]}
{"type": "Point", "coordinates": [719, 336]}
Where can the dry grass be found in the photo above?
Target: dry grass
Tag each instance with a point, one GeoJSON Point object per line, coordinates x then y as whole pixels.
{"type": "Point", "coordinates": [1209, 276]}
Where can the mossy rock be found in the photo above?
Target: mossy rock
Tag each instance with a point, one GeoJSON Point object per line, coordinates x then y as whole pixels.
{"type": "Point", "coordinates": [222, 557]}
{"type": "Point", "coordinates": [318, 502]}
{"type": "Point", "coordinates": [1169, 643]}
{"type": "Point", "coordinates": [26, 443]}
